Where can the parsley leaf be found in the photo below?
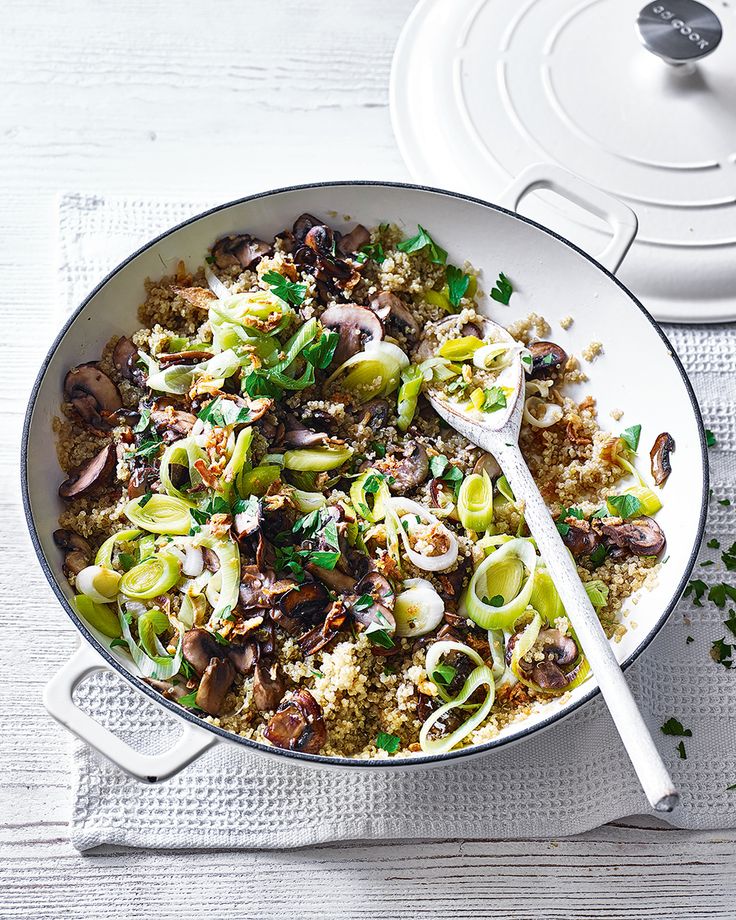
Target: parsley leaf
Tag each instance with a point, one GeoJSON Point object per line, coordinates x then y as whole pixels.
{"type": "Point", "coordinates": [631, 437]}
{"type": "Point", "coordinates": [371, 251]}
{"type": "Point", "coordinates": [379, 636]}
{"type": "Point", "coordinates": [696, 589]}
{"type": "Point", "coordinates": [495, 399]}
{"type": "Point", "coordinates": [223, 412]}
{"type": "Point", "coordinates": [598, 555]}
{"type": "Point", "coordinates": [379, 449]}
{"type": "Point", "coordinates": [562, 526]}
{"type": "Point", "coordinates": [731, 622]}
{"type": "Point", "coordinates": [710, 438]}
{"type": "Point", "coordinates": [726, 502]}
{"type": "Point", "coordinates": [681, 750]}
{"type": "Point", "coordinates": [320, 353]}
{"type": "Point", "coordinates": [714, 544]}
{"type": "Point", "coordinates": [443, 674]}
{"type": "Point", "coordinates": [495, 601]}
{"type": "Point", "coordinates": [721, 652]}
{"type": "Point", "coordinates": [148, 447]}
{"type": "Point", "coordinates": [728, 557]}
{"type": "Point", "coordinates": [190, 700]}
{"type": "Point", "coordinates": [437, 465]}
{"type": "Point", "coordinates": [364, 602]}
{"type": "Point", "coordinates": [674, 727]}
{"type": "Point", "coordinates": [289, 291]}
{"type": "Point", "coordinates": [423, 240]}
{"type": "Point", "coordinates": [457, 284]}
{"type": "Point", "coordinates": [143, 422]}
{"type": "Point", "coordinates": [626, 505]}
{"type": "Point", "coordinates": [503, 290]}
{"type": "Point", "coordinates": [719, 593]}
{"type": "Point", "coordinates": [388, 742]}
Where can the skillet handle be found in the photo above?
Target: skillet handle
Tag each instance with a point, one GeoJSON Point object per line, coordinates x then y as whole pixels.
{"type": "Point", "coordinates": [617, 215]}
{"type": "Point", "coordinates": [149, 768]}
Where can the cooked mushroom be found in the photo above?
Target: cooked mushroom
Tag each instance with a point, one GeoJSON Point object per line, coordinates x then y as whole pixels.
{"type": "Point", "coordinates": [297, 725]}
{"type": "Point", "coordinates": [268, 687]}
{"type": "Point", "coordinates": [303, 224]}
{"type": "Point", "coordinates": [199, 648]}
{"type": "Point", "coordinates": [317, 255]}
{"type": "Point", "coordinates": [375, 414]}
{"type": "Point", "coordinates": [660, 457]}
{"type": "Point", "coordinates": [546, 358]}
{"type": "Point", "coordinates": [385, 305]}
{"type": "Point", "coordinates": [558, 650]}
{"type": "Point", "coordinates": [125, 357]}
{"type": "Point", "coordinates": [198, 297]}
{"type": "Point", "coordinates": [321, 635]}
{"type": "Point", "coordinates": [333, 578]}
{"type": "Point", "coordinates": [242, 250]}
{"type": "Point", "coordinates": [305, 603]}
{"type": "Point", "coordinates": [355, 325]}
{"type": "Point", "coordinates": [379, 587]}
{"type": "Point", "coordinates": [247, 522]}
{"type": "Point", "coordinates": [93, 395]}
{"type": "Point", "coordinates": [211, 560]}
{"type": "Point", "coordinates": [298, 435]}
{"type": "Point", "coordinates": [243, 657]}
{"type": "Point", "coordinates": [172, 424]}
{"type": "Point", "coordinates": [354, 241]}
{"type": "Point", "coordinates": [487, 463]}
{"type": "Point", "coordinates": [166, 688]}
{"type": "Point", "coordinates": [253, 587]}
{"type": "Point", "coordinates": [408, 472]}
{"type": "Point", "coordinates": [77, 551]}
{"type": "Point", "coordinates": [91, 476]}
{"type": "Point", "coordinates": [642, 537]}
{"type": "Point", "coordinates": [579, 537]}
{"type": "Point", "coordinates": [141, 480]}
{"type": "Point", "coordinates": [217, 679]}
{"type": "Point", "coordinates": [183, 357]}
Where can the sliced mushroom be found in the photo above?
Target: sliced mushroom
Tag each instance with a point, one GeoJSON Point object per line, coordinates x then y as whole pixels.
{"type": "Point", "coordinates": [333, 578]}
{"type": "Point", "coordinates": [77, 551]}
{"type": "Point", "coordinates": [91, 476]}
{"type": "Point", "coordinates": [580, 538]}
{"type": "Point", "coordinates": [546, 358]}
{"type": "Point", "coordinates": [167, 689]}
{"type": "Point", "coordinates": [386, 304]}
{"type": "Point", "coordinates": [268, 687]}
{"type": "Point", "coordinates": [92, 394]}
{"type": "Point", "coordinates": [379, 587]}
{"type": "Point", "coordinates": [182, 357]}
{"type": "Point", "coordinates": [298, 725]}
{"type": "Point", "coordinates": [298, 435]}
{"type": "Point", "coordinates": [660, 457]}
{"type": "Point", "coordinates": [211, 560]}
{"type": "Point", "coordinates": [303, 224]}
{"type": "Point", "coordinates": [254, 586]}
{"type": "Point", "coordinates": [375, 414]}
{"type": "Point", "coordinates": [141, 481]}
{"type": "Point", "coordinates": [199, 648]}
{"type": "Point", "coordinates": [642, 537]}
{"type": "Point", "coordinates": [354, 241]}
{"type": "Point", "coordinates": [487, 463]}
{"type": "Point", "coordinates": [216, 681]}
{"type": "Point", "coordinates": [246, 523]}
{"type": "Point", "coordinates": [318, 257]}
{"type": "Point", "coordinates": [172, 424]}
{"type": "Point", "coordinates": [125, 357]}
{"type": "Point", "coordinates": [355, 325]}
{"type": "Point", "coordinates": [321, 635]}
{"type": "Point", "coordinates": [558, 651]}
{"type": "Point", "coordinates": [198, 297]}
{"type": "Point", "coordinates": [242, 250]}
{"type": "Point", "coordinates": [243, 657]}
{"type": "Point", "coordinates": [408, 472]}
{"type": "Point", "coordinates": [305, 603]}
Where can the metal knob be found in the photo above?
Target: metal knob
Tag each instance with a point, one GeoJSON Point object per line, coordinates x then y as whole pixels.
{"type": "Point", "coordinates": [679, 31]}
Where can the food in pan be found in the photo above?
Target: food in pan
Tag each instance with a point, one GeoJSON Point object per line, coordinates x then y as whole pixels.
{"type": "Point", "coordinates": [265, 514]}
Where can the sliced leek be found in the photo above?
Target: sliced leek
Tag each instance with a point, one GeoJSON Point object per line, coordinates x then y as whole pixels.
{"type": "Point", "coordinates": [367, 494]}
{"type": "Point", "coordinates": [261, 310]}
{"type": "Point", "coordinates": [541, 414]}
{"type": "Point", "coordinates": [159, 667]}
{"type": "Point", "coordinates": [160, 514]}
{"type": "Point", "coordinates": [545, 598]}
{"type": "Point", "coordinates": [501, 586]}
{"type": "Point", "coordinates": [317, 459]}
{"type": "Point", "coordinates": [418, 608]}
{"type": "Point", "coordinates": [257, 481]}
{"type": "Point", "coordinates": [105, 552]}
{"type": "Point", "coordinates": [373, 372]}
{"type": "Point", "coordinates": [410, 520]}
{"type": "Point", "coordinates": [228, 556]}
{"type": "Point", "coordinates": [308, 501]}
{"type": "Point", "coordinates": [152, 624]}
{"type": "Point", "coordinates": [412, 379]}
{"type": "Point", "coordinates": [181, 453]}
{"type": "Point", "coordinates": [460, 349]}
{"type": "Point", "coordinates": [475, 502]}
{"type": "Point", "coordinates": [156, 575]}
{"type": "Point", "coordinates": [98, 615]}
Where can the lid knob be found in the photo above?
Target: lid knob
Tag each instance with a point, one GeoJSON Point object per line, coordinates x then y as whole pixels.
{"type": "Point", "coordinates": [679, 31]}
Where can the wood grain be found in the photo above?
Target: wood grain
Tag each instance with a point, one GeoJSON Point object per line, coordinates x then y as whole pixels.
{"type": "Point", "coordinates": [213, 101]}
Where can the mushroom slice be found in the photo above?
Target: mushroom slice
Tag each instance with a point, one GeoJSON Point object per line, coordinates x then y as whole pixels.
{"type": "Point", "coordinates": [487, 463]}
{"type": "Point", "coordinates": [408, 472]}
{"type": "Point", "coordinates": [93, 395]}
{"type": "Point", "coordinates": [303, 224]}
{"type": "Point", "coordinates": [125, 358]}
{"type": "Point", "coordinates": [351, 242]}
{"type": "Point", "coordinates": [298, 435]}
{"type": "Point", "coordinates": [199, 648]}
{"type": "Point", "coordinates": [385, 305]}
{"type": "Point", "coordinates": [95, 474]}
{"type": "Point", "coordinates": [558, 651]}
{"type": "Point", "coordinates": [298, 725]}
{"type": "Point", "coordinates": [355, 325]}
{"type": "Point", "coordinates": [379, 587]}
{"type": "Point", "coordinates": [246, 523]}
{"type": "Point", "coordinates": [172, 424]}
{"type": "Point", "coordinates": [243, 657]}
{"type": "Point", "coordinates": [305, 603]}
{"type": "Point", "coordinates": [660, 457]}
{"type": "Point", "coordinates": [321, 635]}
{"type": "Point", "coordinates": [254, 586]}
{"type": "Point", "coordinates": [217, 679]}
{"type": "Point", "coordinates": [183, 357]}
{"type": "Point", "coordinates": [198, 297]}
{"type": "Point", "coordinates": [333, 578]}
{"type": "Point", "coordinates": [77, 551]}
{"type": "Point", "coordinates": [546, 358]}
{"type": "Point", "coordinates": [268, 686]}
{"type": "Point", "coordinates": [375, 414]}
{"type": "Point", "coordinates": [241, 250]}
{"type": "Point", "coordinates": [580, 538]}
{"type": "Point", "coordinates": [642, 537]}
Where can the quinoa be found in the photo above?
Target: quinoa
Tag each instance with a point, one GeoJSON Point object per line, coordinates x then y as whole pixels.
{"type": "Point", "coordinates": [360, 689]}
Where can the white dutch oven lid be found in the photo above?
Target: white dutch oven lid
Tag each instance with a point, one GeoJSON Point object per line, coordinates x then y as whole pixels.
{"type": "Point", "coordinates": [481, 89]}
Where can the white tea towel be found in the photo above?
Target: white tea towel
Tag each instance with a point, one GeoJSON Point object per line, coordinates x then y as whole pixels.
{"type": "Point", "coordinates": [560, 782]}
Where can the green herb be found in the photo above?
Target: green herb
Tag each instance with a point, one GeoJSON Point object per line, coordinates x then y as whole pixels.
{"type": "Point", "coordinates": [503, 290]}
{"type": "Point", "coordinates": [371, 251]}
{"type": "Point", "coordinates": [681, 750]}
{"type": "Point", "coordinates": [710, 438]}
{"type": "Point", "coordinates": [308, 525]}
{"type": "Point", "coordinates": [316, 673]}
{"type": "Point", "coordinates": [458, 386]}
{"type": "Point", "coordinates": [719, 593]}
{"type": "Point", "coordinates": [223, 412]}
{"type": "Point", "coordinates": [364, 602]}
{"type": "Point", "coordinates": [289, 291]}
{"type": "Point", "coordinates": [673, 727]}
{"type": "Point", "coordinates": [373, 482]}
{"type": "Point", "coordinates": [689, 639]}
{"type": "Point", "coordinates": [726, 502]}
{"type": "Point", "coordinates": [728, 557]}
{"type": "Point", "coordinates": [215, 504]}
{"type": "Point", "coordinates": [320, 353]}
{"type": "Point", "coordinates": [721, 652]}
{"type": "Point", "coordinates": [437, 465]}
{"type": "Point", "coordinates": [387, 742]}
{"type": "Point", "coordinates": [457, 284]}
{"type": "Point", "coordinates": [696, 589]}
{"type": "Point", "coordinates": [714, 544]}
{"type": "Point", "coordinates": [631, 437]}
{"type": "Point", "coordinates": [227, 614]}
{"type": "Point", "coordinates": [118, 642]}
{"type": "Point", "coordinates": [600, 513]}
{"type": "Point", "coordinates": [126, 561]}
{"type": "Point", "coordinates": [379, 449]}
{"type": "Point", "coordinates": [149, 447]}
{"type": "Point", "coordinates": [562, 526]}
{"type": "Point", "coordinates": [379, 636]}
{"type": "Point", "coordinates": [495, 399]}
{"type": "Point", "coordinates": [247, 506]}
{"type": "Point", "coordinates": [187, 670]}
{"type": "Point", "coordinates": [598, 555]}
{"type": "Point", "coordinates": [219, 638]}
{"type": "Point", "coordinates": [495, 601]}
{"type": "Point", "coordinates": [145, 499]}
{"type": "Point", "coordinates": [526, 360]}
{"type": "Point", "coordinates": [704, 565]}
{"type": "Point", "coordinates": [324, 559]}
{"type": "Point", "coordinates": [421, 241]}
{"type": "Point", "coordinates": [443, 674]}
{"type": "Point", "coordinates": [190, 700]}
{"type": "Point", "coordinates": [731, 622]}
{"type": "Point", "coordinates": [626, 505]}
{"type": "Point", "coordinates": [256, 384]}
{"type": "Point", "coordinates": [143, 421]}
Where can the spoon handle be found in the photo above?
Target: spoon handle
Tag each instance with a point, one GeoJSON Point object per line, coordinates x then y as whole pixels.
{"type": "Point", "coordinates": [645, 757]}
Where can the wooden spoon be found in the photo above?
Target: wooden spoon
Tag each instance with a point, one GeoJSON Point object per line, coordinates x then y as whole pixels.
{"type": "Point", "coordinates": [498, 434]}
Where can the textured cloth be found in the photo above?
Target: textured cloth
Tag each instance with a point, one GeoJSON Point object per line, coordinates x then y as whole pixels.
{"type": "Point", "coordinates": [564, 781]}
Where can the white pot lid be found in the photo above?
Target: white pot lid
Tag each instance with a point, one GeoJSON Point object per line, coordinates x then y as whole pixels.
{"type": "Point", "coordinates": [481, 89]}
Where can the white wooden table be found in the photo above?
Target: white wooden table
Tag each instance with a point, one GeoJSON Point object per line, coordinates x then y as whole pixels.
{"type": "Point", "coordinates": [214, 101]}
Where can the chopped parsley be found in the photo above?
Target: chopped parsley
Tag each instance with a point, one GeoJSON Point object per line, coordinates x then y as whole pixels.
{"type": "Point", "coordinates": [503, 290]}
{"type": "Point", "coordinates": [494, 399]}
{"type": "Point", "coordinates": [495, 601]}
{"type": "Point", "coordinates": [145, 499]}
{"type": "Point", "coordinates": [379, 449]}
{"type": "Point", "coordinates": [441, 468]}
{"type": "Point", "coordinates": [421, 241]}
{"type": "Point", "coordinates": [710, 438]}
{"type": "Point", "coordinates": [364, 602]}
{"type": "Point", "coordinates": [320, 353]}
{"type": "Point", "coordinates": [681, 750]}
{"type": "Point", "coordinates": [371, 251]}
{"type": "Point", "coordinates": [598, 555]}
{"type": "Point", "coordinates": [674, 727]}
{"type": "Point", "coordinates": [696, 589]}
{"type": "Point", "coordinates": [730, 623]}
{"type": "Point", "coordinates": [143, 422]}
{"type": "Point", "coordinates": [720, 592]}
{"type": "Point", "coordinates": [689, 639]}
{"type": "Point", "coordinates": [443, 674]}
{"type": "Point", "coordinates": [289, 291]}
{"type": "Point", "coordinates": [726, 502]}
{"type": "Point", "coordinates": [149, 447]}
{"type": "Point", "coordinates": [728, 558]}
{"type": "Point", "coordinates": [190, 700]}
{"type": "Point", "coordinates": [714, 544]}
{"type": "Point", "coordinates": [389, 743]}
{"type": "Point", "coordinates": [457, 284]}
{"type": "Point", "coordinates": [721, 651]}
{"type": "Point", "coordinates": [316, 673]}
{"type": "Point", "coordinates": [118, 642]}
{"type": "Point", "coordinates": [631, 437]}
{"type": "Point", "coordinates": [562, 526]}
{"type": "Point", "coordinates": [626, 505]}
{"type": "Point", "coordinates": [223, 412]}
